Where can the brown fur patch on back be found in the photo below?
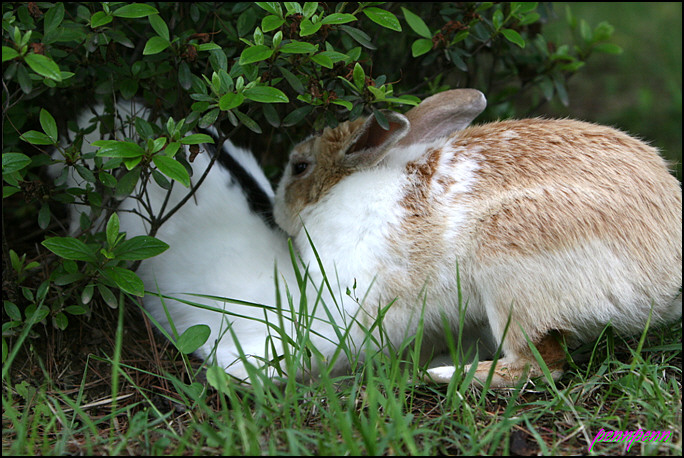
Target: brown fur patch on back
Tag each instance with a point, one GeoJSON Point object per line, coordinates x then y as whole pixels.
{"type": "Point", "coordinates": [545, 184]}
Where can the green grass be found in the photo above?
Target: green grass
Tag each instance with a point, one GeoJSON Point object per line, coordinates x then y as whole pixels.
{"type": "Point", "coordinates": [135, 394]}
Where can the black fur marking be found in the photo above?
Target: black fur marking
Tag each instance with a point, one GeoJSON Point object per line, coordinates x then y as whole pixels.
{"type": "Point", "coordinates": [257, 199]}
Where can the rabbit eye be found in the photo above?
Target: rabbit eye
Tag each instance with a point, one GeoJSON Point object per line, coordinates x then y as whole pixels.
{"type": "Point", "coordinates": [299, 167]}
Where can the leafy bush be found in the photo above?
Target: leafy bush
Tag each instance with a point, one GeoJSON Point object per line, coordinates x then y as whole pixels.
{"type": "Point", "coordinates": [262, 73]}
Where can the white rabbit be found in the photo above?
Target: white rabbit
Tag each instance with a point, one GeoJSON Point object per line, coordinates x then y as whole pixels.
{"type": "Point", "coordinates": [559, 226]}
{"type": "Point", "coordinates": [219, 245]}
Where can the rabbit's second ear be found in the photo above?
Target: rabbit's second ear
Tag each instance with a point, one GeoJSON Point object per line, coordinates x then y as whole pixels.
{"type": "Point", "coordinates": [443, 114]}
{"type": "Point", "coordinates": [371, 142]}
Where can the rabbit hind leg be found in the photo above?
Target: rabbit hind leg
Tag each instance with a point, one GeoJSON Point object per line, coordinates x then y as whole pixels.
{"type": "Point", "coordinates": [511, 369]}
{"type": "Point", "coordinates": [522, 364]}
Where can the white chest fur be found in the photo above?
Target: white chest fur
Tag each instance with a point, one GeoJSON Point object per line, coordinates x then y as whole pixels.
{"type": "Point", "coordinates": [349, 227]}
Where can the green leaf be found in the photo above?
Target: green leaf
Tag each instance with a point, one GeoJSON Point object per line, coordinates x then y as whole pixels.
{"type": "Point", "coordinates": [271, 115]}
{"type": "Point", "coordinates": [416, 23]}
{"type": "Point", "coordinates": [322, 60]}
{"type": "Point", "coordinates": [230, 101]}
{"type": "Point", "coordinates": [125, 279]}
{"type": "Point", "coordinates": [208, 47]}
{"type": "Point", "coordinates": [265, 94]}
{"type": "Point", "coordinates": [585, 31]}
{"type": "Point", "coordinates": [161, 180]}
{"type": "Point", "coordinates": [196, 139]}
{"type": "Point", "coordinates": [116, 148]}
{"type": "Point", "coordinates": [277, 39]}
{"type": "Point", "coordinates": [70, 248]}
{"type": "Point", "coordinates": [296, 116]}
{"type": "Point", "coordinates": [561, 92]}
{"type": "Point", "coordinates": [36, 138]}
{"type": "Point", "coordinates": [359, 35]}
{"type": "Point", "coordinates": [47, 122]}
{"type": "Point", "coordinates": [53, 17]}
{"type": "Point", "coordinates": [37, 314]}
{"type": "Point", "coordinates": [603, 32]}
{"type": "Point", "coordinates": [306, 28]}
{"type": "Point", "coordinates": [76, 310]}
{"type": "Point", "coordinates": [193, 338]}
{"type": "Point", "coordinates": [546, 86]}
{"type": "Point", "coordinates": [155, 45]}
{"type": "Point", "coordinates": [217, 378]}
{"type": "Point", "coordinates": [298, 47]}
{"type": "Point", "coordinates": [383, 18]}
{"type": "Point", "coordinates": [608, 48]}
{"type": "Point", "coordinates": [258, 36]}
{"type": "Point", "coordinates": [271, 22]}
{"type": "Point", "coordinates": [157, 144]}
{"type": "Point", "coordinates": [171, 149]}
{"type": "Point", "coordinates": [12, 311]}
{"type": "Point", "coordinates": [248, 122]}
{"type": "Point", "coordinates": [87, 293]}
{"type": "Point", "coordinates": [497, 19]}
{"type": "Point", "coordinates": [344, 103]}
{"type": "Point", "coordinates": [255, 54]}
{"type": "Point", "coordinates": [420, 47]}
{"type": "Point", "coordinates": [140, 247]}
{"type": "Point", "coordinates": [293, 8]}
{"type": "Point", "coordinates": [135, 10]}
{"type": "Point", "coordinates": [292, 80]}
{"type": "Point", "coordinates": [9, 191]}
{"type": "Point", "coordinates": [44, 287]}
{"type": "Point", "coordinates": [172, 169]}
{"type": "Point", "coordinates": [108, 296]}
{"type": "Point", "coordinates": [514, 37]}
{"type": "Point", "coordinates": [309, 9]}
{"type": "Point", "coordinates": [529, 18]}
{"type": "Point", "coordinates": [24, 79]}
{"type": "Point", "coordinates": [159, 26]}
{"type": "Point", "coordinates": [100, 18]}
{"type": "Point", "coordinates": [271, 7]}
{"type": "Point", "coordinates": [524, 7]}
{"type": "Point", "coordinates": [8, 53]}
{"type": "Point", "coordinates": [112, 230]}
{"type": "Point", "coordinates": [60, 321]}
{"type": "Point", "coordinates": [128, 88]}
{"type": "Point", "coordinates": [15, 261]}
{"type": "Point", "coordinates": [338, 18]}
{"type": "Point", "coordinates": [12, 162]}
{"type": "Point", "coordinates": [131, 163]}
{"type": "Point", "coordinates": [381, 119]}
{"type": "Point", "coordinates": [184, 75]}
{"type": "Point", "coordinates": [44, 216]}
{"type": "Point", "coordinates": [127, 183]}
{"type": "Point", "coordinates": [44, 66]}
{"type": "Point", "coordinates": [335, 56]}
{"type": "Point", "coordinates": [359, 77]}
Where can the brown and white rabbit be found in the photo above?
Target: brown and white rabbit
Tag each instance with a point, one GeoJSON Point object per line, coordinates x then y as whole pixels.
{"type": "Point", "coordinates": [559, 226]}
{"type": "Point", "coordinates": [222, 245]}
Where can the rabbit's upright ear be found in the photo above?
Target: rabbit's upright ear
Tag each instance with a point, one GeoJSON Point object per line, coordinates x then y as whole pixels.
{"type": "Point", "coordinates": [442, 114]}
{"type": "Point", "coordinates": [370, 142]}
